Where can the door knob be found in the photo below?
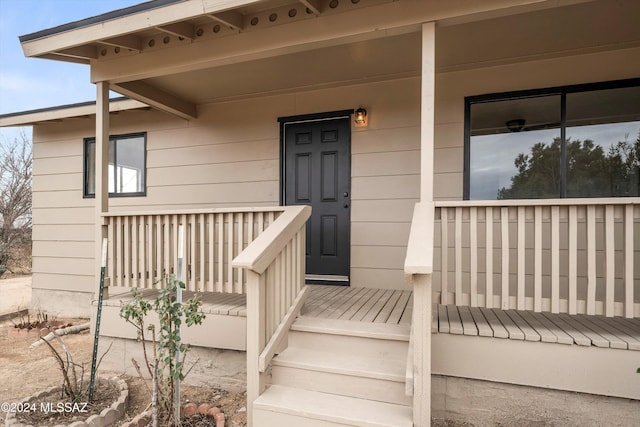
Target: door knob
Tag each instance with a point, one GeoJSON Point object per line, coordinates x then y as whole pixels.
{"type": "Point", "coordinates": [345, 194]}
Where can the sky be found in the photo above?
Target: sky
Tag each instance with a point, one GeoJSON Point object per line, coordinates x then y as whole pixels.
{"type": "Point", "coordinates": [30, 83]}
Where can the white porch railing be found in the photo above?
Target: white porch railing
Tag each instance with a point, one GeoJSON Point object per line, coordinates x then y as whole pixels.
{"type": "Point", "coordinates": [143, 246]}
{"type": "Point", "coordinates": [257, 251]}
{"type": "Point", "coordinates": [275, 267]}
{"type": "Point", "coordinates": [573, 256]}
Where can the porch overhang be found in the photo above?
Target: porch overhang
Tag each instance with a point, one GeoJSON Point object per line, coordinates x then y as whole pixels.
{"type": "Point", "coordinates": [151, 52]}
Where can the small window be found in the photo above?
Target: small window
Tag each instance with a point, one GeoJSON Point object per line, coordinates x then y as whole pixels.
{"type": "Point", "coordinates": [127, 165]}
{"type": "Point", "coordinates": [574, 141]}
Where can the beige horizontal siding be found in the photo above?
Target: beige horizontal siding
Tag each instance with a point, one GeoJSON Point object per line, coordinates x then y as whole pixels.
{"type": "Point", "coordinates": [396, 210]}
{"type": "Point", "coordinates": [56, 182]}
{"type": "Point", "coordinates": [383, 257]}
{"type": "Point", "coordinates": [65, 233]}
{"type": "Point", "coordinates": [386, 187]}
{"type": "Point", "coordinates": [63, 265]}
{"type": "Point", "coordinates": [248, 171]}
{"type": "Point", "coordinates": [380, 233]}
{"type": "Point", "coordinates": [378, 278]}
{"type": "Point", "coordinates": [211, 154]}
{"type": "Point", "coordinates": [63, 216]}
{"type": "Point", "coordinates": [59, 199]}
{"type": "Point", "coordinates": [67, 281]}
{"type": "Point", "coordinates": [58, 165]}
{"type": "Point", "coordinates": [69, 249]}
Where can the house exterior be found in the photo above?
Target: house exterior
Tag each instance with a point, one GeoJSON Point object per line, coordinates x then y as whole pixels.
{"type": "Point", "coordinates": [420, 133]}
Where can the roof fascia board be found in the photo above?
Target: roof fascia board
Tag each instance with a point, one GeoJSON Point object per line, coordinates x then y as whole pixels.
{"type": "Point", "coordinates": [384, 20]}
{"type": "Point", "coordinates": [66, 112]}
{"type": "Point", "coordinates": [157, 17]}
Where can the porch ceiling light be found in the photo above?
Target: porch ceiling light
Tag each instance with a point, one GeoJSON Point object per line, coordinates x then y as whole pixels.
{"type": "Point", "coordinates": [360, 118]}
{"type": "Point", "coordinates": [515, 125]}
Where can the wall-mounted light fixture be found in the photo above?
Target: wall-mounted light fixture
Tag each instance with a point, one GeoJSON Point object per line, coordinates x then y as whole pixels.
{"type": "Point", "coordinates": [515, 125]}
{"type": "Point", "coordinates": [360, 118]}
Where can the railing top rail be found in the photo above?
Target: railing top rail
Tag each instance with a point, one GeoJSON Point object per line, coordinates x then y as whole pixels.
{"type": "Point", "coordinates": [419, 259]}
{"type": "Point", "coordinates": [263, 250]}
{"type": "Point", "coordinates": [195, 211]}
{"type": "Point", "coordinates": [538, 202]}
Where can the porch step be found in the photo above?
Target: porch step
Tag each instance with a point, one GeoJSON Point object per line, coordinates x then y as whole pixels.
{"type": "Point", "coordinates": [287, 406]}
{"type": "Point", "coordinates": [355, 375]}
{"type": "Point", "coordinates": [346, 338]}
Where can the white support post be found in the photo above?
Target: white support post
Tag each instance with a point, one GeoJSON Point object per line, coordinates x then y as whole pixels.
{"type": "Point", "coordinates": [427, 111]}
{"type": "Point", "coordinates": [422, 290]}
{"type": "Point", "coordinates": [102, 176]}
{"type": "Point", "coordinates": [256, 286]}
{"type": "Point", "coordinates": [422, 287]}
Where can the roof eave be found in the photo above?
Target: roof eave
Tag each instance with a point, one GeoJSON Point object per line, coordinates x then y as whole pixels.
{"type": "Point", "coordinates": [83, 109]}
{"type": "Point", "coordinates": [118, 23]}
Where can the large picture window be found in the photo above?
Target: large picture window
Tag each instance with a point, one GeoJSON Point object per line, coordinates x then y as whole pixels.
{"type": "Point", "coordinates": [127, 165]}
{"type": "Point", "coordinates": [574, 141]}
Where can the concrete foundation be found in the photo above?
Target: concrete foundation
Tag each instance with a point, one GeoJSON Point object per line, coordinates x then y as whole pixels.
{"type": "Point", "coordinates": [62, 303]}
{"type": "Point", "coordinates": [485, 403]}
{"type": "Point", "coordinates": [213, 367]}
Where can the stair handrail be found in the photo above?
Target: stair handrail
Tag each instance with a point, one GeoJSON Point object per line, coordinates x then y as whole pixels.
{"type": "Point", "coordinates": [275, 271]}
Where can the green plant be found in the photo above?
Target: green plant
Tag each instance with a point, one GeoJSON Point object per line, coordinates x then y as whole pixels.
{"type": "Point", "coordinates": [163, 367]}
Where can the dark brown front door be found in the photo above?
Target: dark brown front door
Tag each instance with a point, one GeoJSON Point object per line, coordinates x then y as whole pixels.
{"type": "Point", "coordinates": [317, 172]}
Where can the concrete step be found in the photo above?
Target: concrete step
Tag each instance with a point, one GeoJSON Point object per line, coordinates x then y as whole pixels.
{"type": "Point", "coordinates": [286, 406]}
{"type": "Point", "coordinates": [345, 337]}
{"type": "Point", "coordinates": [354, 375]}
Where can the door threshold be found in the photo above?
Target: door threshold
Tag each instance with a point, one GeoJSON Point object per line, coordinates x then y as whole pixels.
{"type": "Point", "coordinates": [325, 279]}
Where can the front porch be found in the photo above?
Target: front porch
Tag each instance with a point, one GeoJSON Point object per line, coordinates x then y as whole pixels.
{"type": "Point", "coordinates": [535, 293]}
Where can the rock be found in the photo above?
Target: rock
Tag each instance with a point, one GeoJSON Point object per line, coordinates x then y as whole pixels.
{"type": "Point", "coordinates": [204, 408]}
{"type": "Point", "coordinates": [190, 409]}
{"type": "Point", "coordinates": [243, 409]}
{"type": "Point", "coordinates": [219, 420]}
{"type": "Point", "coordinates": [213, 411]}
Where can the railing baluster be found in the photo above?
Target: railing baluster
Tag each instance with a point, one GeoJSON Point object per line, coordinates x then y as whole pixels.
{"type": "Point", "coordinates": [610, 270]}
{"type": "Point", "coordinates": [521, 258]}
{"type": "Point", "coordinates": [229, 282]}
{"type": "Point", "coordinates": [628, 262]}
{"type": "Point", "coordinates": [113, 248]}
{"type": "Point", "coordinates": [444, 249]}
{"type": "Point", "coordinates": [591, 259]}
{"type": "Point", "coordinates": [202, 254]}
{"type": "Point", "coordinates": [127, 251]}
{"type": "Point", "coordinates": [489, 257]}
{"type": "Point", "coordinates": [221, 269]}
{"type": "Point", "coordinates": [239, 247]}
{"type": "Point", "coordinates": [555, 259]}
{"type": "Point", "coordinates": [151, 248]}
{"type": "Point", "coordinates": [537, 268]}
{"type": "Point", "coordinates": [166, 246]}
{"type": "Point", "coordinates": [212, 244]}
{"type": "Point", "coordinates": [134, 251]}
{"type": "Point", "coordinates": [194, 257]}
{"type": "Point", "coordinates": [504, 221]}
{"type": "Point", "coordinates": [573, 260]}
{"type": "Point", "coordinates": [473, 255]}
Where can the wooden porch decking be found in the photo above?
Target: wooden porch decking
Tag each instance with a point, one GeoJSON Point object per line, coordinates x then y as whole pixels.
{"type": "Point", "coordinates": [327, 302]}
{"type": "Point", "coordinates": [395, 307]}
{"type": "Point", "coordinates": [360, 304]}
{"type": "Point", "coordinates": [582, 330]}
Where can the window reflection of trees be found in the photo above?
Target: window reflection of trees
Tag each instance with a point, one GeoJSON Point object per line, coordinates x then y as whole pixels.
{"type": "Point", "coordinates": [591, 170]}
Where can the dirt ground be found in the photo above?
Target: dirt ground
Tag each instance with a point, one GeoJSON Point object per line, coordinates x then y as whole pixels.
{"type": "Point", "coordinates": [24, 372]}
